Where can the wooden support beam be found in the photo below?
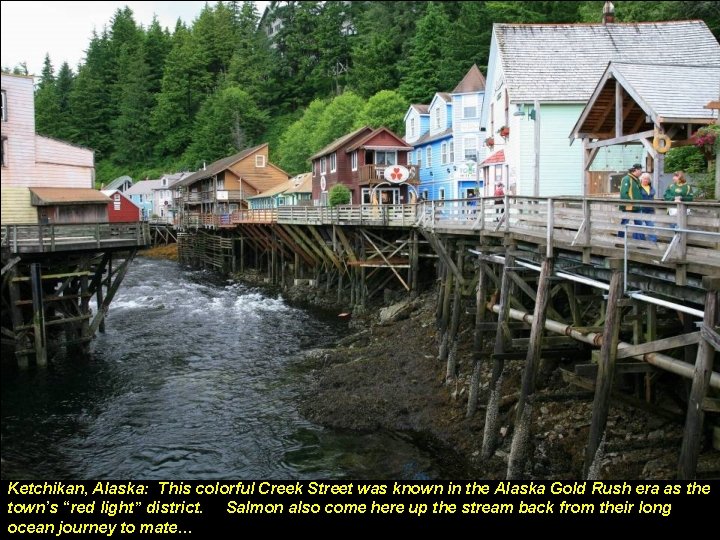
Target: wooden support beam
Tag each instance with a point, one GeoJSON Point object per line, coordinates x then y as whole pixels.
{"type": "Point", "coordinates": [38, 315]}
{"type": "Point", "coordinates": [440, 250]}
{"type": "Point", "coordinates": [606, 369]}
{"type": "Point", "coordinates": [589, 371]}
{"type": "Point", "coordinates": [695, 416]}
{"type": "Point", "coordinates": [478, 339]}
{"type": "Point", "coordinates": [659, 345]}
{"type": "Point", "coordinates": [521, 444]}
{"type": "Point", "coordinates": [296, 248]}
{"type": "Point", "coordinates": [105, 305]}
{"type": "Point", "coordinates": [306, 242]}
{"type": "Point", "coordinates": [329, 252]}
{"type": "Point", "coordinates": [346, 244]}
{"type": "Point", "coordinates": [635, 137]}
{"type": "Point", "coordinates": [397, 274]}
{"type": "Point", "coordinates": [490, 432]}
{"type": "Point", "coordinates": [451, 370]}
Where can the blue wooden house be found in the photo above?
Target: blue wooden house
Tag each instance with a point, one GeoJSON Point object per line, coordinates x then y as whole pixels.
{"type": "Point", "coordinates": [449, 144]}
{"type": "Point", "coordinates": [539, 79]}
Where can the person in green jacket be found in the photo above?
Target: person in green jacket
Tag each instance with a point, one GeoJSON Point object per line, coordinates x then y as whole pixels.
{"type": "Point", "coordinates": [630, 191]}
{"type": "Point", "coordinates": [678, 191]}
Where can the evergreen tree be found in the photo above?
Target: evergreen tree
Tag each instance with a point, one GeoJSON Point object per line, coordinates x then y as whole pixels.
{"type": "Point", "coordinates": [156, 47]}
{"type": "Point", "coordinates": [251, 61]}
{"type": "Point", "coordinates": [64, 85]}
{"type": "Point", "coordinates": [227, 122]}
{"type": "Point", "coordinates": [429, 68]}
{"type": "Point", "coordinates": [185, 85]}
{"type": "Point", "coordinates": [47, 106]}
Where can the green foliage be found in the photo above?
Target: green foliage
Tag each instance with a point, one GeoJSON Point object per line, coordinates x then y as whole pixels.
{"type": "Point", "coordinates": [685, 158]}
{"type": "Point", "coordinates": [386, 108]}
{"type": "Point", "coordinates": [337, 119]}
{"type": "Point", "coordinates": [296, 144]}
{"type": "Point", "coordinates": [228, 121]}
{"type": "Point", "coordinates": [339, 194]}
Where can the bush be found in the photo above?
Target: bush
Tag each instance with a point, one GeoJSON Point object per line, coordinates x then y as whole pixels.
{"type": "Point", "coordinates": [339, 194]}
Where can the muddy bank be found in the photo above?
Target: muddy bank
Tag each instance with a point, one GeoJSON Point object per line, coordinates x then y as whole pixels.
{"type": "Point", "coordinates": [385, 375]}
{"type": "Point", "coordinates": [169, 252]}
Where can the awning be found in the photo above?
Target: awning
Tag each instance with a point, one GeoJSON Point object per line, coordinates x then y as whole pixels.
{"type": "Point", "coordinates": [495, 158]}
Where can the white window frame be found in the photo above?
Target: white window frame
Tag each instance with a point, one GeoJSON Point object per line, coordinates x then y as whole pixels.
{"type": "Point", "coordinates": [443, 153]}
{"type": "Point", "coordinates": [470, 143]}
{"type": "Point", "coordinates": [437, 118]}
{"type": "Point", "coordinates": [333, 162]}
{"type": "Point", "coordinates": [4, 106]}
{"type": "Point", "coordinates": [428, 157]}
{"type": "Point", "coordinates": [323, 165]}
{"type": "Point", "coordinates": [315, 168]}
{"type": "Point", "coordinates": [412, 127]}
{"type": "Point", "coordinates": [441, 194]}
{"type": "Point", "coordinates": [452, 151]}
{"type": "Point", "coordinates": [419, 158]}
{"type": "Point", "coordinates": [471, 109]}
{"type": "Point", "coordinates": [260, 161]}
{"type": "Point", "coordinates": [354, 161]}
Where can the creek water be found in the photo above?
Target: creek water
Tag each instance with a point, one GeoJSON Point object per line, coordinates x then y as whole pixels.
{"type": "Point", "coordinates": [196, 377]}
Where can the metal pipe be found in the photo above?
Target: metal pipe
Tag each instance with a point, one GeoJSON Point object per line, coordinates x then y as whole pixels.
{"type": "Point", "coordinates": [665, 303]}
{"type": "Point", "coordinates": [659, 360]}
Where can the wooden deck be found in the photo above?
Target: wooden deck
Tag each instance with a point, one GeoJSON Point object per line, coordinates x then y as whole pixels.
{"type": "Point", "coordinates": [690, 238]}
{"type": "Point", "coordinates": [73, 237]}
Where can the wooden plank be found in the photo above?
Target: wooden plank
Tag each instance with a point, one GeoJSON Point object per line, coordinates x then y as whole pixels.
{"type": "Point", "coordinates": [321, 241]}
{"type": "Point", "coordinates": [659, 345]}
{"type": "Point", "coordinates": [589, 371]}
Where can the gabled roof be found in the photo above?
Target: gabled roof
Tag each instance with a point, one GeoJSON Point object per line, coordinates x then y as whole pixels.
{"type": "Point", "coordinates": [302, 183]}
{"type": "Point", "coordinates": [427, 138]}
{"type": "Point", "coordinates": [563, 62]}
{"type": "Point", "coordinates": [47, 196]}
{"type": "Point", "coordinates": [474, 81]}
{"type": "Point", "coordinates": [144, 187]}
{"type": "Point", "coordinates": [444, 95]}
{"type": "Point", "coordinates": [119, 181]}
{"type": "Point", "coordinates": [340, 142]}
{"type": "Point", "coordinates": [174, 178]}
{"type": "Point", "coordinates": [420, 108]}
{"type": "Point", "coordinates": [111, 192]}
{"type": "Point", "coordinates": [370, 136]}
{"type": "Point", "coordinates": [218, 166]}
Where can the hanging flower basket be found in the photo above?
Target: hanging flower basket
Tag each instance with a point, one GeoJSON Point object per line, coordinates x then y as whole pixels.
{"type": "Point", "coordinates": [504, 132]}
{"type": "Point", "coordinates": [707, 140]}
{"type": "Point", "coordinates": [489, 142]}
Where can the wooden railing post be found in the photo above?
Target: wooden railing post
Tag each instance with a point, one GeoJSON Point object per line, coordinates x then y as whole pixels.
{"type": "Point", "coordinates": [550, 227]}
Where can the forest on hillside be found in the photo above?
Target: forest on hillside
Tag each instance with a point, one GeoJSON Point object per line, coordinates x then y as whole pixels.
{"type": "Point", "coordinates": [152, 100]}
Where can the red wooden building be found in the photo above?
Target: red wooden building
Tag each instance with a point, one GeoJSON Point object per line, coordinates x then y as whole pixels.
{"type": "Point", "coordinates": [359, 160]}
{"type": "Point", "coordinates": [120, 209]}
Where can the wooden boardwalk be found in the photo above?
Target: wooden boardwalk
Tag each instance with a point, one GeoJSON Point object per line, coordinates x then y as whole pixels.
{"type": "Point", "coordinates": [73, 237]}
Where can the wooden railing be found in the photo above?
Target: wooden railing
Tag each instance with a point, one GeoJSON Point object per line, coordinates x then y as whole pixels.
{"type": "Point", "coordinates": [21, 238]}
{"type": "Point", "coordinates": [691, 233]}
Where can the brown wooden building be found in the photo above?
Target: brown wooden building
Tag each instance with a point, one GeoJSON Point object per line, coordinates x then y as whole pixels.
{"type": "Point", "coordinates": [210, 195]}
{"type": "Point", "coordinates": [359, 160]}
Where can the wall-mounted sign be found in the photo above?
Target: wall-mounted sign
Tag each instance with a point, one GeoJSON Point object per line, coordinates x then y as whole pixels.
{"type": "Point", "coordinates": [222, 195]}
{"type": "Point", "coordinates": [323, 183]}
{"type": "Point", "coordinates": [396, 174]}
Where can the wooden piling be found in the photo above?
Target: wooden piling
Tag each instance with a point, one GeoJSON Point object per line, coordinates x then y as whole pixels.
{"type": "Point", "coordinates": [454, 321]}
{"type": "Point", "coordinates": [38, 315]}
{"type": "Point", "coordinates": [690, 448]}
{"type": "Point", "coordinates": [478, 340]}
{"type": "Point", "coordinates": [490, 432]}
{"type": "Point", "coordinates": [606, 368]}
{"type": "Point", "coordinates": [521, 446]}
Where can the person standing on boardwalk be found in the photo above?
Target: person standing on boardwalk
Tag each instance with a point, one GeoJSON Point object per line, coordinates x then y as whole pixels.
{"type": "Point", "coordinates": [630, 190]}
{"type": "Point", "coordinates": [647, 192]}
{"type": "Point", "coordinates": [678, 191]}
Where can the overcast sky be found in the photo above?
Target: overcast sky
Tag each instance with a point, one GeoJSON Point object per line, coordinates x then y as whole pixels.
{"type": "Point", "coordinates": [29, 30]}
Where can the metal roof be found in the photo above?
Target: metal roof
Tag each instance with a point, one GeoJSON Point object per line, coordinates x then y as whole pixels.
{"type": "Point", "coordinates": [218, 166]}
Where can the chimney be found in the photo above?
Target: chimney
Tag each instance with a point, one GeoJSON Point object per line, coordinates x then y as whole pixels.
{"type": "Point", "coordinates": [204, 167]}
{"type": "Point", "coordinates": [608, 13]}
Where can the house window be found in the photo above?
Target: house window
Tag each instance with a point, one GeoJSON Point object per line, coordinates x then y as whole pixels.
{"type": "Point", "coordinates": [412, 127]}
{"type": "Point", "coordinates": [428, 157]}
{"type": "Point", "coordinates": [3, 155]}
{"type": "Point", "coordinates": [470, 149]}
{"type": "Point", "coordinates": [116, 202]}
{"type": "Point", "coordinates": [4, 106]}
{"type": "Point", "coordinates": [441, 194]}
{"type": "Point", "coordinates": [507, 108]}
{"type": "Point", "coordinates": [425, 194]}
{"type": "Point", "coordinates": [437, 118]}
{"type": "Point", "coordinates": [452, 152]}
{"type": "Point", "coordinates": [353, 161]}
{"type": "Point", "coordinates": [259, 161]}
{"type": "Point", "coordinates": [492, 118]}
{"type": "Point", "coordinates": [323, 165]}
{"type": "Point", "coordinates": [470, 106]}
{"type": "Point", "coordinates": [419, 158]}
{"type": "Point", "coordinates": [385, 157]}
{"type": "Point", "coordinates": [333, 162]}
{"type": "Point", "coordinates": [443, 153]}
{"type": "Point", "coordinates": [315, 167]}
